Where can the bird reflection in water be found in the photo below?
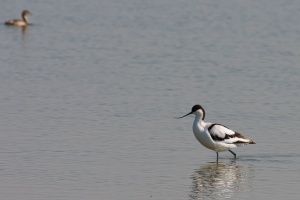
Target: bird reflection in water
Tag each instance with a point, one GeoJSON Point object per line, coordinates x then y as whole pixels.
{"type": "Point", "coordinates": [221, 181]}
{"type": "Point", "coordinates": [24, 29]}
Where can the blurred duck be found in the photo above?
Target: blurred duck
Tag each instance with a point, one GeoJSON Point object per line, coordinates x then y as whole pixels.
{"type": "Point", "coordinates": [18, 22]}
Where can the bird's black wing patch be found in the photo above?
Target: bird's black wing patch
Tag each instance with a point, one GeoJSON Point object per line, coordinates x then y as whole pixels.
{"type": "Point", "coordinates": [224, 133]}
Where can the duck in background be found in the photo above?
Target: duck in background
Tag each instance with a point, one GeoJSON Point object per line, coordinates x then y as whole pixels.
{"type": "Point", "coordinates": [18, 22]}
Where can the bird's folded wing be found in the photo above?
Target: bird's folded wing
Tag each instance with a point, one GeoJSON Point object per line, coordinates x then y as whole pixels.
{"type": "Point", "coordinates": [219, 133]}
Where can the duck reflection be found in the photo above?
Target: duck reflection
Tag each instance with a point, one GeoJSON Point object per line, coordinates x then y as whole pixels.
{"type": "Point", "coordinates": [24, 29]}
{"type": "Point", "coordinates": [220, 181]}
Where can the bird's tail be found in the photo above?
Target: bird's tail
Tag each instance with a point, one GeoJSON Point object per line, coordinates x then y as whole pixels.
{"type": "Point", "coordinates": [252, 142]}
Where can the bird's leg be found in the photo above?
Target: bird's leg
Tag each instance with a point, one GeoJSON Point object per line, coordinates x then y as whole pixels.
{"type": "Point", "coordinates": [232, 153]}
{"type": "Point", "coordinates": [217, 156]}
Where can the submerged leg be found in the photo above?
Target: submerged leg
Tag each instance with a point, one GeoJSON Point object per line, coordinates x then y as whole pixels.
{"type": "Point", "coordinates": [232, 153]}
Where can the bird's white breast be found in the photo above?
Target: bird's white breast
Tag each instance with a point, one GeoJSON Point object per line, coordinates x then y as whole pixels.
{"type": "Point", "coordinates": [202, 135]}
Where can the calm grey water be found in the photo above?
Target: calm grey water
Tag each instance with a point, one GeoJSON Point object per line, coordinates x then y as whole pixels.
{"type": "Point", "coordinates": [89, 92]}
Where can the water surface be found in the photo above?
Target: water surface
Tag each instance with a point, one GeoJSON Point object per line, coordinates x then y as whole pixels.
{"type": "Point", "coordinates": [88, 93]}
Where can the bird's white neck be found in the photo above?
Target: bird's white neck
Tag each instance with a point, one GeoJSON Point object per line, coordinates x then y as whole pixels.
{"type": "Point", "coordinates": [199, 123]}
{"type": "Point", "coordinates": [197, 120]}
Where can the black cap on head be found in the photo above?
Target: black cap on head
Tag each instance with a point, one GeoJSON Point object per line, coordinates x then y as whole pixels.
{"type": "Point", "coordinates": [194, 109]}
{"type": "Point", "coordinates": [198, 107]}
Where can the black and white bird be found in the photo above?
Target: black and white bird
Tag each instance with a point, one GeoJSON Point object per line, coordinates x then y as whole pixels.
{"type": "Point", "coordinates": [215, 136]}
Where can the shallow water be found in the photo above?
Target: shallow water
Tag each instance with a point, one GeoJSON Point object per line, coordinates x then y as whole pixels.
{"type": "Point", "coordinates": [89, 92]}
